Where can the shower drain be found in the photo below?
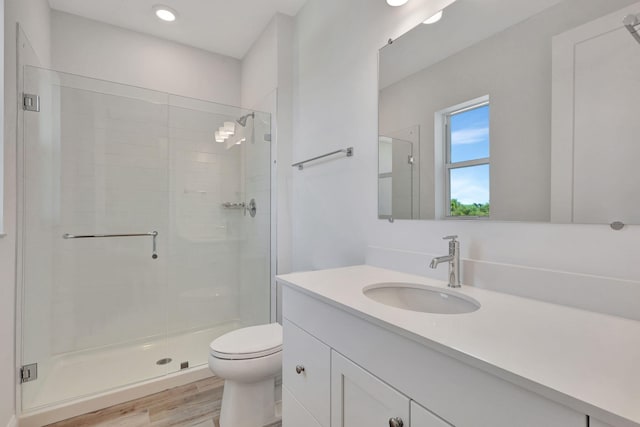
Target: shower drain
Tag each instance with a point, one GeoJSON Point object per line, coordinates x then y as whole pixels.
{"type": "Point", "coordinates": [163, 361]}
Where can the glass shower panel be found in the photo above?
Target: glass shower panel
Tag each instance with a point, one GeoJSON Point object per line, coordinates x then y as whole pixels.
{"type": "Point", "coordinates": [99, 159]}
{"type": "Point", "coordinates": [216, 283]}
{"type": "Point", "coordinates": [94, 162]}
{"type": "Point", "coordinates": [255, 246]}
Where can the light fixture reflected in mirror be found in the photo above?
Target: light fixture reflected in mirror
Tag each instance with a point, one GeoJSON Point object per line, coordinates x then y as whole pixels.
{"type": "Point", "coordinates": [395, 3]}
{"type": "Point", "coordinates": [435, 18]}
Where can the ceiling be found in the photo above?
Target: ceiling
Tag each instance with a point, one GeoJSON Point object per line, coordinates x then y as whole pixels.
{"type": "Point", "coordinates": [228, 27]}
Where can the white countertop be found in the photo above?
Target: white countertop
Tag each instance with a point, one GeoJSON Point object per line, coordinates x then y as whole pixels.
{"type": "Point", "coordinates": [586, 360]}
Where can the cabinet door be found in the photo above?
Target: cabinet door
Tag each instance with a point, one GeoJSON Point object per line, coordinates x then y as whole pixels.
{"type": "Point", "coordinates": [359, 399]}
{"type": "Point", "coordinates": [421, 417]}
{"type": "Point", "coordinates": [294, 414]}
{"type": "Point", "coordinates": [306, 370]}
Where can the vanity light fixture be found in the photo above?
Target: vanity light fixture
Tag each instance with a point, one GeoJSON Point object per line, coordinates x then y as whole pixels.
{"type": "Point", "coordinates": [395, 3]}
{"type": "Point", "coordinates": [165, 13]}
{"type": "Point", "coordinates": [433, 19]}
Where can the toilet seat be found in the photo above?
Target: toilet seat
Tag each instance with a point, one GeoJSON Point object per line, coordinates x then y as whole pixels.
{"type": "Point", "coordinates": [248, 343]}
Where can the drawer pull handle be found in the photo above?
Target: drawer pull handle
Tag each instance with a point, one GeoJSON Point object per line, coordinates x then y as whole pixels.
{"type": "Point", "coordinates": [299, 369]}
{"type": "Point", "coordinates": [396, 422]}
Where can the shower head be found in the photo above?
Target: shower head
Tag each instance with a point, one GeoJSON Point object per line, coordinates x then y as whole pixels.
{"type": "Point", "coordinates": [242, 121]}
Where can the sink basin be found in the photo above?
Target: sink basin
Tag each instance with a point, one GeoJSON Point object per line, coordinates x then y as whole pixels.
{"type": "Point", "coordinates": [426, 299]}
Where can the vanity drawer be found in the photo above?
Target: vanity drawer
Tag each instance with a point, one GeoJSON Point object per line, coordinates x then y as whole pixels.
{"type": "Point", "coordinates": [306, 371]}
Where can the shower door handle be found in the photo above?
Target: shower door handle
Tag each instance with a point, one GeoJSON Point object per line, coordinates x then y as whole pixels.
{"type": "Point", "coordinates": [153, 234]}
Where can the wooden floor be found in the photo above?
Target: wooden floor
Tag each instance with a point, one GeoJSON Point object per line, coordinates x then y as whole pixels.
{"type": "Point", "coordinates": [192, 405]}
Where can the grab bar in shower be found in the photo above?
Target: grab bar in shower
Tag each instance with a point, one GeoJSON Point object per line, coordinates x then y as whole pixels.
{"type": "Point", "coordinates": [347, 151]}
{"type": "Point", "coordinates": [233, 205]}
{"type": "Point", "coordinates": [154, 234]}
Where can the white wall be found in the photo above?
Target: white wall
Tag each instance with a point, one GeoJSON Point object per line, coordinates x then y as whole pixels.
{"type": "Point", "coordinates": [260, 67]}
{"type": "Point", "coordinates": [93, 49]}
{"type": "Point", "coordinates": [335, 106]}
{"type": "Point", "coordinates": [335, 204]}
{"type": "Point", "coordinates": [34, 19]}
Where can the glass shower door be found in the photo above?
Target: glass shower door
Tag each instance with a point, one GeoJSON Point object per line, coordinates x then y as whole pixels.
{"type": "Point", "coordinates": [94, 162]}
{"type": "Point", "coordinates": [219, 275]}
{"type": "Point", "coordinates": [110, 175]}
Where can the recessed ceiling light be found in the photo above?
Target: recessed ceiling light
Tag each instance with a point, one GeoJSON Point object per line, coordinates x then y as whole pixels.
{"type": "Point", "coordinates": [433, 19]}
{"type": "Point", "coordinates": [396, 2]}
{"type": "Point", "coordinates": [165, 13]}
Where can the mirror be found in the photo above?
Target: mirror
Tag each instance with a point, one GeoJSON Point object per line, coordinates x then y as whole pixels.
{"type": "Point", "coordinates": [513, 110]}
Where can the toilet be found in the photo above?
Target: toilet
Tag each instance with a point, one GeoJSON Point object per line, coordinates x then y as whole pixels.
{"type": "Point", "coordinates": [248, 359]}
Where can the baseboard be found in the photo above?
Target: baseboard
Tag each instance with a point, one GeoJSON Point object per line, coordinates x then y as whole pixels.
{"type": "Point", "coordinates": [13, 422]}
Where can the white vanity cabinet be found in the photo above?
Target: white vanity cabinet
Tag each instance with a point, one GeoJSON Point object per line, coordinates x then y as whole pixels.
{"type": "Point", "coordinates": [306, 373]}
{"type": "Point", "coordinates": [420, 417]}
{"type": "Point", "coordinates": [294, 413]}
{"type": "Point", "coordinates": [358, 373]}
{"type": "Point", "coordinates": [360, 399]}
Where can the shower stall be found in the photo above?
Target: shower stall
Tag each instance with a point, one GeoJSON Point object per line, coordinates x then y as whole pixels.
{"type": "Point", "coordinates": [143, 235]}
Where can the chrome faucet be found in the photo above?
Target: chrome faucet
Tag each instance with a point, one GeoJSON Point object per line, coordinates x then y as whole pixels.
{"type": "Point", "coordinates": [453, 259]}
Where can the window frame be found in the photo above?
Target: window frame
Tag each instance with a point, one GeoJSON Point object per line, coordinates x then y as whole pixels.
{"type": "Point", "coordinates": [449, 165]}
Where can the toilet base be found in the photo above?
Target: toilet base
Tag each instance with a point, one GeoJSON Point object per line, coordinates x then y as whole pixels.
{"type": "Point", "coordinates": [248, 404]}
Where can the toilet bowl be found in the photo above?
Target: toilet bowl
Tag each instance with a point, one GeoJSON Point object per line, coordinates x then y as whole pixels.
{"type": "Point", "coordinates": [248, 359]}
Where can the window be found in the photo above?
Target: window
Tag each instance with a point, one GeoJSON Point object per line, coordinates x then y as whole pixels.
{"type": "Point", "coordinates": [466, 133]}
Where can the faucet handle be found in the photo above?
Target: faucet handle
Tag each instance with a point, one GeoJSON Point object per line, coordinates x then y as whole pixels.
{"type": "Point", "coordinates": [452, 238]}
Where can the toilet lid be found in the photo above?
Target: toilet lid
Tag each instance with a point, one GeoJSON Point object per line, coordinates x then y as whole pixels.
{"type": "Point", "coordinates": [248, 343]}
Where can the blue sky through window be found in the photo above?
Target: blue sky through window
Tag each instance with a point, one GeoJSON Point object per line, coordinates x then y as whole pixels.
{"type": "Point", "coordinates": [470, 185]}
{"type": "Point", "coordinates": [470, 141]}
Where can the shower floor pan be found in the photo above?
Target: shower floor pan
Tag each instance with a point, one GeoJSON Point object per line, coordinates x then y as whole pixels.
{"type": "Point", "coordinates": [77, 376]}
